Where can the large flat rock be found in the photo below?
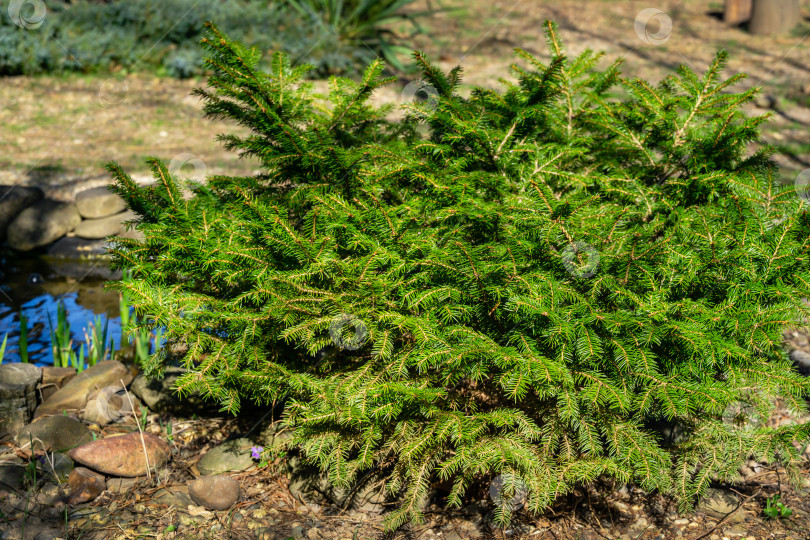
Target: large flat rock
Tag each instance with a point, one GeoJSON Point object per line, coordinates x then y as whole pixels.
{"type": "Point", "coordinates": [99, 202]}
{"type": "Point", "coordinates": [13, 200]}
{"type": "Point", "coordinates": [42, 223]}
{"type": "Point", "coordinates": [74, 394]}
{"type": "Point", "coordinates": [93, 229]}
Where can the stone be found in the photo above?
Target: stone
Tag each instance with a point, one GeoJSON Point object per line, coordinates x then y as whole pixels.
{"type": "Point", "coordinates": [308, 485]}
{"type": "Point", "coordinates": [158, 395]}
{"type": "Point", "coordinates": [275, 435]}
{"type": "Point", "coordinates": [123, 455]}
{"type": "Point", "coordinates": [74, 394]}
{"type": "Point", "coordinates": [176, 496]}
{"type": "Point", "coordinates": [18, 398]}
{"type": "Point", "coordinates": [232, 455]}
{"type": "Point", "coordinates": [58, 466]}
{"type": "Point", "coordinates": [72, 248]}
{"type": "Point", "coordinates": [12, 474]}
{"type": "Point", "coordinates": [41, 224]}
{"type": "Point", "coordinates": [54, 378]}
{"type": "Point", "coordinates": [13, 200]}
{"type": "Point", "coordinates": [85, 485]}
{"type": "Point", "coordinates": [52, 495]}
{"type": "Point", "coordinates": [214, 492]}
{"type": "Point", "coordinates": [718, 503]}
{"type": "Point", "coordinates": [92, 229]}
{"type": "Point", "coordinates": [121, 485]}
{"type": "Point", "coordinates": [266, 533]}
{"type": "Point", "coordinates": [802, 361]}
{"type": "Point", "coordinates": [764, 101]}
{"type": "Point", "coordinates": [50, 534]}
{"type": "Point", "coordinates": [55, 433]}
{"type": "Point", "coordinates": [109, 404]}
{"type": "Point", "coordinates": [99, 202]}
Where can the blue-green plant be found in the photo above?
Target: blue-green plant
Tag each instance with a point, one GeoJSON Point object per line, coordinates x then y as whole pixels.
{"type": "Point", "coordinates": [163, 35]}
{"type": "Point", "coordinates": [362, 23]}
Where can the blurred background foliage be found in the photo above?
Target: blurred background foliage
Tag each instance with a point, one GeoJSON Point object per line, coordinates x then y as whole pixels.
{"type": "Point", "coordinates": [88, 36]}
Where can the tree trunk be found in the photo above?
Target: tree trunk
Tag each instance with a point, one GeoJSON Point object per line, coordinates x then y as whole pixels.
{"type": "Point", "coordinates": [737, 11]}
{"type": "Point", "coordinates": [774, 17]}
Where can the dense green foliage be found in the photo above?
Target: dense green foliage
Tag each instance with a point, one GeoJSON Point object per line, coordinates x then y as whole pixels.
{"type": "Point", "coordinates": [164, 34]}
{"type": "Point", "coordinates": [426, 294]}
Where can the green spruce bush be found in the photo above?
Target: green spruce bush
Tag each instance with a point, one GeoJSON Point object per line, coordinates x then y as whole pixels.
{"type": "Point", "coordinates": [520, 283]}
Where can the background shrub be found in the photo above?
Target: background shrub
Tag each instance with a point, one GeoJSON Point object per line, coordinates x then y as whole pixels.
{"type": "Point", "coordinates": [426, 296]}
{"type": "Point", "coordinates": [165, 34]}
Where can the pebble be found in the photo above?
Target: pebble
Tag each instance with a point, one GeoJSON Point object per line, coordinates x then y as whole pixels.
{"type": "Point", "coordinates": [218, 492]}
{"type": "Point", "coordinates": [85, 485]}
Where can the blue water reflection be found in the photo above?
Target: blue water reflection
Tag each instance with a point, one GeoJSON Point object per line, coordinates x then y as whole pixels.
{"type": "Point", "coordinates": [34, 288]}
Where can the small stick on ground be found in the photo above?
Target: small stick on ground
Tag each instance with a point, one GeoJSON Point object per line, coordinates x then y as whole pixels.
{"type": "Point", "coordinates": [143, 442]}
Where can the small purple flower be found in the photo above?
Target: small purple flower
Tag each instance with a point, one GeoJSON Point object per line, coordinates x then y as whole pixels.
{"type": "Point", "coordinates": [255, 451]}
{"type": "Point", "coordinates": [42, 459]}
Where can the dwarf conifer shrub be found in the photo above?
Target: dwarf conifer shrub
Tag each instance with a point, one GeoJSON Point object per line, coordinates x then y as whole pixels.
{"type": "Point", "coordinates": [518, 283]}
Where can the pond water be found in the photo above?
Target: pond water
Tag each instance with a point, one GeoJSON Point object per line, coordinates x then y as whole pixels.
{"type": "Point", "coordinates": [34, 285]}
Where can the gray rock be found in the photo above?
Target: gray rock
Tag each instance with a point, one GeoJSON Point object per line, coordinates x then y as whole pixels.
{"type": "Point", "coordinates": [801, 360]}
{"type": "Point", "coordinates": [54, 378]}
{"type": "Point", "coordinates": [13, 200]}
{"type": "Point", "coordinates": [74, 394]}
{"type": "Point", "coordinates": [61, 468]}
{"type": "Point", "coordinates": [18, 398]}
{"type": "Point", "coordinates": [103, 227]}
{"type": "Point", "coordinates": [12, 474]}
{"type": "Point", "coordinates": [55, 433]}
{"type": "Point", "coordinates": [176, 496]}
{"type": "Point", "coordinates": [159, 396]}
{"type": "Point", "coordinates": [718, 503]}
{"type": "Point", "coordinates": [41, 224]}
{"type": "Point", "coordinates": [229, 456]}
{"type": "Point", "coordinates": [50, 534]}
{"type": "Point", "coordinates": [121, 485]}
{"type": "Point", "coordinates": [765, 101]}
{"type": "Point", "coordinates": [308, 484]}
{"type": "Point", "coordinates": [214, 492]}
{"type": "Point", "coordinates": [274, 435]}
{"type": "Point", "coordinates": [99, 202]}
{"type": "Point", "coordinates": [109, 404]}
{"type": "Point", "coordinates": [74, 248]}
